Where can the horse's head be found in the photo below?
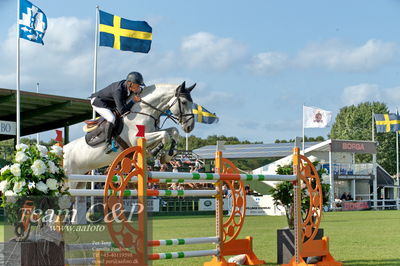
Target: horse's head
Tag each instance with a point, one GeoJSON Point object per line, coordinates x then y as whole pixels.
{"type": "Point", "coordinates": [181, 106]}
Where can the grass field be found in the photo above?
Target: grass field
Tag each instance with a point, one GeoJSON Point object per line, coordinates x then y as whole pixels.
{"type": "Point", "coordinates": [356, 238]}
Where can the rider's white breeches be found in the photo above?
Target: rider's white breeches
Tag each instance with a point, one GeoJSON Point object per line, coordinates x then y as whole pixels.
{"type": "Point", "coordinates": [104, 112]}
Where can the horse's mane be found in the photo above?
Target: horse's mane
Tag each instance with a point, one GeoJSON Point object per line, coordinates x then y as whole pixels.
{"type": "Point", "coordinates": [149, 93]}
{"type": "Point", "coordinates": [148, 90]}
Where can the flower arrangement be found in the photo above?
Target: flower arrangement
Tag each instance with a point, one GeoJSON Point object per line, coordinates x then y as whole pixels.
{"type": "Point", "coordinates": [35, 174]}
{"type": "Point", "coordinates": [283, 193]}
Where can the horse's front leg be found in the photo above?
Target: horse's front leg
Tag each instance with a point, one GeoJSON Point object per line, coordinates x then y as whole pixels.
{"type": "Point", "coordinates": [157, 140]}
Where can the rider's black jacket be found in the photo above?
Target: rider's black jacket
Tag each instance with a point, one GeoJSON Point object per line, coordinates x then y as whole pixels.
{"type": "Point", "coordinates": [113, 96]}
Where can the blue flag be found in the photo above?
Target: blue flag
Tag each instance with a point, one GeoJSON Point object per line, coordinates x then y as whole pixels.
{"type": "Point", "coordinates": [123, 34]}
{"type": "Point", "coordinates": [32, 22]}
{"type": "Point", "coordinates": [202, 115]}
{"type": "Point", "coordinates": [387, 122]}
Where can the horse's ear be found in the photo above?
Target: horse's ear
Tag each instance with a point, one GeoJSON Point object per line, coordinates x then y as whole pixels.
{"type": "Point", "coordinates": [191, 87]}
{"type": "Point", "coordinates": [180, 88]}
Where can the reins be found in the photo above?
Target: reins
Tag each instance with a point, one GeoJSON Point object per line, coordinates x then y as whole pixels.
{"type": "Point", "coordinates": [175, 119]}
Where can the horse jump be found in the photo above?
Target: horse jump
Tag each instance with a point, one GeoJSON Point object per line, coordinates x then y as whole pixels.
{"type": "Point", "coordinates": [227, 228]}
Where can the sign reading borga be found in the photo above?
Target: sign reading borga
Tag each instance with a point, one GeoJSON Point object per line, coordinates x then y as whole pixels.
{"type": "Point", "coordinates": [8, 128]}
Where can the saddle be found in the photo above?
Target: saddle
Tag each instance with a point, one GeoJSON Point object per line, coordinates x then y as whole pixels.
{"type": "Point", "coordinates": [95, 131]}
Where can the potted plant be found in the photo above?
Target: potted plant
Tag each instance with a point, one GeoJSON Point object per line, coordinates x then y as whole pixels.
{"type": "Point", "coordinates": [283, 195]}
{"type": "Point", "coordinates": [32, 186]}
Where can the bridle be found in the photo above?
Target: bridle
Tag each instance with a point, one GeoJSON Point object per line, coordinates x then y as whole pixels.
{"type": "Point", "coordinates": [176, 119]}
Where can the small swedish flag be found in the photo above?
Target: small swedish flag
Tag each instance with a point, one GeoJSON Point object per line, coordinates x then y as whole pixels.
{"type": "Point", "coordinates": [387, 122]}
{"type": "Point", "coordinates": [202, 115]}
{"type": "Point", "coordinates": [123, 34]}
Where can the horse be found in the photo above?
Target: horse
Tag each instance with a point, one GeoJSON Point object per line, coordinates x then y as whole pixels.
{"type": "Point", "coordinates": [80, 158]}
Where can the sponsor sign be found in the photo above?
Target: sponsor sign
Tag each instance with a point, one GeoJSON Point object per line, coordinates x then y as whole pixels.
{"type": "Point", "coordinates": [353, 146]}
{"type": "Point", "coordinates": [263, 205]}
{"type": "Point", "coordinates": [351, 177]}
{"type": "Point", "coordinates": [8, 128]}
{"type": "Point", "coordinates": [355, 205]}
{"type": "Point", "coordinates": [153, 205]}
{"type": "Point", "coordinates": [209, 204]}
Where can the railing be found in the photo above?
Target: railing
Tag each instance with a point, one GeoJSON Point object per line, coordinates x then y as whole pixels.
{"type": "Point", "coordinates": [351, 169]}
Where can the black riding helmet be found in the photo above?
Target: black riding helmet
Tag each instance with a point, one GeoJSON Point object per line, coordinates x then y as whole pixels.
{"type": "Point", "coordinates": [135, 77]}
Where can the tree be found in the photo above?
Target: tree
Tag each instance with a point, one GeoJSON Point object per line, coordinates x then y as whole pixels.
{"type": "Point", "coordinates": [355, 123]}
{"type": "Point", "coordinates": [306, 139]}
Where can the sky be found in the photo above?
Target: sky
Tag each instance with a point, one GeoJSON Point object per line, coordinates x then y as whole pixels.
{"type": "Point", "coordinates": [255, 62]}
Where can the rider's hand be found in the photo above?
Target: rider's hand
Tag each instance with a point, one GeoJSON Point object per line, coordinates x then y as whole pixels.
{"type": "Point", "coordinates": [136, 99]}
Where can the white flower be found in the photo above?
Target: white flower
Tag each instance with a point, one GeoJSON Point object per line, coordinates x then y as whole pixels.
{"type": "Point", "coordinates": [52, 183]}
{"type": "Point", "coordinates": [42, 149]}
{"type": "Point", "coordinates": [15, 169]}
{"type": "Point", "coordinates": [31, 185]}
{"type": "Point", "coordinates": [52, 167]}
{"type": "Point", "coordinates": [64, 187]}
{"type": "Point", "coordinates": [38, 167]}
{"type": "Point", "coordinates": [5, 168]}
{"type": "Point", "coordinates": [64, 202]}
{"type": "Point", "coordinates": [57, 150]}
{"type": "Point", "coordinates": [21, 157]}
{"type": "Point", "coordinates": [42, 187]}
{"type": "Point", "coordinates": [11, 197]}
{"type": "Point", "coordinates": [18, 186]}
{"type": "Point", "coordinates": [3, 185]}
{"type": "Point", "coordinates": [21, 147]}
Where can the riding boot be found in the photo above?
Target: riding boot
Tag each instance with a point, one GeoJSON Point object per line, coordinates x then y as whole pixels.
{"type": "Point", "coordinates": [108, 131]}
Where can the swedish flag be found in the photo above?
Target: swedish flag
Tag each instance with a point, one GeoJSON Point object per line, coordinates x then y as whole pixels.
{"type": "Point", "coordinates": [387, 122]}
{"type": "Point", "coordinates": [202, 115]}
{"type": "Point", "coordinates": [123, 34]}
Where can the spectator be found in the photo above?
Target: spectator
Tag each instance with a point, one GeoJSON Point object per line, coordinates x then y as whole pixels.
{"type": "Point", "coordinates": [191, 168]}
{"type": "Point", "coordinates": [344, 196]}
{"type": "Point", "coordinates": [247, 189]}
{"type": "Point", "coordinates": [198, 164]}
{"type": "Point", "coordinates": [163, 167]}
{"type": "Point", "coordinates": [157, 163]}
{"type": "Point", "coordinates": [175, 166]}
{"type": "Point", "coordinates": [225, 190]}
{"type": "Point", "coordinates": [349, 197]}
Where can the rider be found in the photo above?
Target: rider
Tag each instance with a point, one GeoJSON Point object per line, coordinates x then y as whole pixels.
{"type": "Point", "coordinates": [114, 96]}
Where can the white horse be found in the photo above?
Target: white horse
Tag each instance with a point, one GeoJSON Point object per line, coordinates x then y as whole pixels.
{"type": "Point", "coordinates": [80, 158]}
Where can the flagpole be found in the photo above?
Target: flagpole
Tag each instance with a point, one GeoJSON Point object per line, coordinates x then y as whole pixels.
{"type": "Point", "coordinates": [373, 131]}
{"type": "Point", "coordinates": [96, 41]}
{"type": "Point", "coordinates": [18, 77]}
{"type": "Point", "coordinates": [187, 141]}
{"type": "Point", "coordinates": [37, 134]}
{"type": "Point", "coordinates": [375, 181]}
{"type": "Point", "coordinates": [303, 130]}
{"type": "Point", "coordinates": [397, 151]}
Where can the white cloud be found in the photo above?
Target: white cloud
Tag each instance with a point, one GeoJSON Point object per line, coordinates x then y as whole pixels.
{"type": "Point", "coordinates": [269, 63]}
{"type": "Point", "coordinates": [206, 50]}
{"type": "Point", "coordinates": [392, 96]}
{"type": "Point", "coordinates": [371, 92]}
{"type": "Point", "coordinates": [361, 93]}
{"type": "Point", "coordinates": [64, 62]}
{"type": "Point", "coordinates": [331, 55]}
{"type": "Point", "coordinates": [338, 56]}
